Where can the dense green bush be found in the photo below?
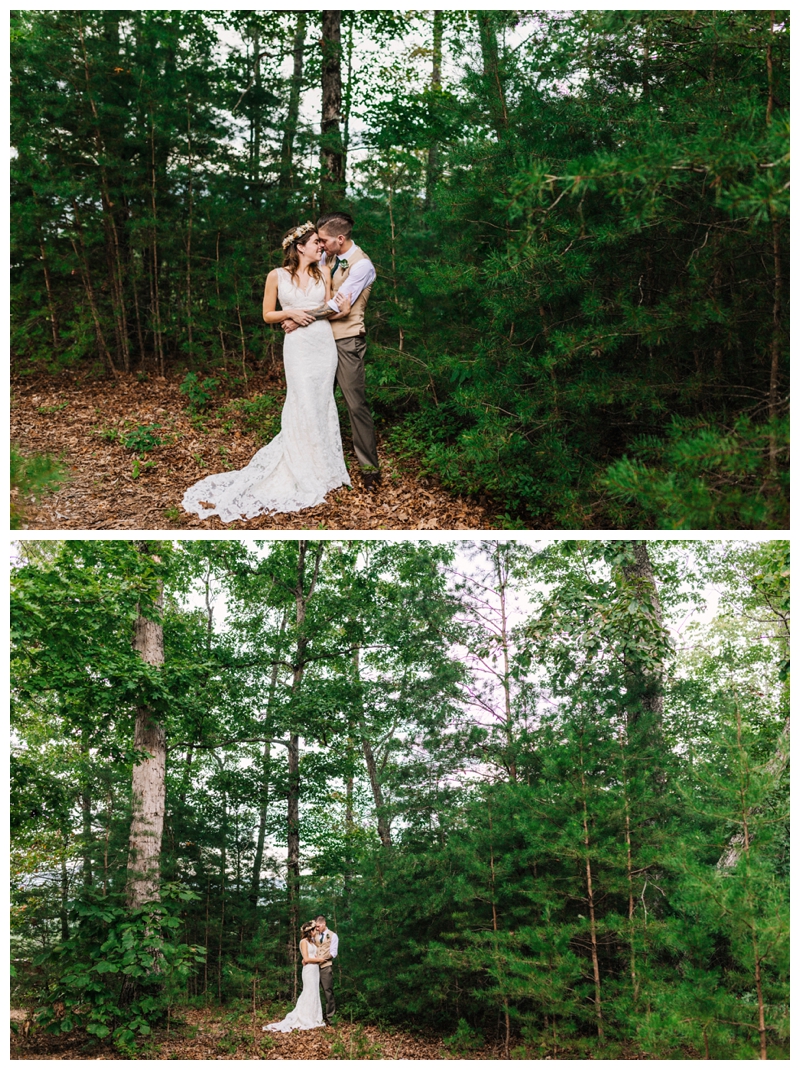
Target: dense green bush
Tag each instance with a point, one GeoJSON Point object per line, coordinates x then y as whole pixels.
{"type": "Point", "coordinates": [119, 970]}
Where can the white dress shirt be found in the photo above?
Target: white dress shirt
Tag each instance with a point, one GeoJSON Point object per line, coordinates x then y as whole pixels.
{"type": "Point", "coordinates": [362, 275]}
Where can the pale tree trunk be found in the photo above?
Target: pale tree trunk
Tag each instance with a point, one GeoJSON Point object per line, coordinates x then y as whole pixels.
{"type": "Point", "coordinates": [149, 774]}
{"type": "Point", "coordinates": [331, 149]}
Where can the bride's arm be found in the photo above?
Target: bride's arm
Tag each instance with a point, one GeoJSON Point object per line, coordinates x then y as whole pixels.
{"type": "Point", "coordinates": [271, 315]}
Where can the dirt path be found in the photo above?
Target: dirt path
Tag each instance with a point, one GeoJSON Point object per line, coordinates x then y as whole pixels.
{"type": "Point", "coordinates": [86, 421]}
{"type": "Point", "coordinates": [218, 1033]}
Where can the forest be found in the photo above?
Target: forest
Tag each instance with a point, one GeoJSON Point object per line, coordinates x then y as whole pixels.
{"type": "Point", "coordinates": [538, 788]}
{"type": "Point", "coordinates": [579, 221]}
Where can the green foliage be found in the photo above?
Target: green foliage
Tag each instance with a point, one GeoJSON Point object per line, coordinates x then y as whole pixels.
{"type": "Point", "coordinates": [464, 1041]}
{"type": "Point", "coordinates": [580, 228]}
{"type": "Point", "coordinates": [120, 970]}
{"type": "Point", "coordinates": [142, 439]}
{"type": "Point", "coordinates": [702, 477]}
{"type": "Point", "coordinates": [260, 414]}
{"type": "Point", "coordinates": [355, 1046]}
{"type": "Point", "coordinates": [198, 392]}
{"type": "Point", "coordinates": [31, 477]}
{"type": "Point", "coordinates": [542, 790]}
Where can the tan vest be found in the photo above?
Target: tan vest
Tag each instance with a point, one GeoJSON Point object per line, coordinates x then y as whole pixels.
{"type": "Point", "coordinates": [353, 323]}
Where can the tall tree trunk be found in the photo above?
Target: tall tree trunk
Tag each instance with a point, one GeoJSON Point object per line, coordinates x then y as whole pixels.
{"type": "Point", "coordinates": [155, 297]}
{"type": "Point", "coordinates": [493, 82]}
{"type": "Point", "coordinates": [62, 911]}
{"type": "Point", "coordinates": [149, 774]}
{"type": "Point", "coordinates": [189, 226]}
{"type": "Point", "coordinates": [112, 244]}
{"type": "Point", "coordinates": [495, 927]}
{"type": "Point", "coordinates": [501, 571]}
{"type": "Point", "coordinates": [598, 1007]}
{"type": "Point", "coordinates": [432, 170]}
{"type": "Point", "coordinates": [777, 288]}
{"type": "Point", "coordinates": [301, 599]}
{"type": "Point", "coordinates": [86, 278]}
{"type": "Point", "coordinates": [369, 756]}
{"type": "Point", "coordinates": [293, 113]}
{"type": "Point", "coordinates": [646, 713]}
{"type": "Point", "coordinates": [331, 148]}
{"type": "Point", "coordinates": [255, 881]}
{"type": "Point", "coordinates": [86, 812]}
{"type": "Point", "coordinates": [347, 94]}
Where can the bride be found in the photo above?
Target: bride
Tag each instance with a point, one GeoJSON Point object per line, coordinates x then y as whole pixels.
{"type": "Point", "coordinates": [308, 1012]}
{"type": "Point", "coordinates": [305, 460]}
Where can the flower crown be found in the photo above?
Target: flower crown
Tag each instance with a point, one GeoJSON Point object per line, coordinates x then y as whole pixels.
{"type": "Point", "coordinates": [298, 232]}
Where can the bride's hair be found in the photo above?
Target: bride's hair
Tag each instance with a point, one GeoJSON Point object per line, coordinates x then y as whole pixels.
{"type": "Point", "coordinates": [307, 929]}
{"type": "Point", "coordinates": [291, 256]}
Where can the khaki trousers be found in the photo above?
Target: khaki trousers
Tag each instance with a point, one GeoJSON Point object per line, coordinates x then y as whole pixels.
{"type": "Point", "coordinates": [326, 980]}
{"type": "Point", "coordinates": [350, 377]}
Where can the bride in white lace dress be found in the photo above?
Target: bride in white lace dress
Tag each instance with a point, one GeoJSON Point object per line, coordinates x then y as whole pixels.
{"type": "Point", "coordinates": [307, 1014]}
{"type": "Point", "coordinates": [305, 460]}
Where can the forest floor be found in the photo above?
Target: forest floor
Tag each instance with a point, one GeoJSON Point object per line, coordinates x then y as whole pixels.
{"type": "Point", "coordinates": [218, 1033]}
{"type": "Point", "coordinates": [85, 421]}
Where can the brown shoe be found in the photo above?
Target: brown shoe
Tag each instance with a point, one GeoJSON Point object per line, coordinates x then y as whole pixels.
{"type": "Point", "coordinates": [370, 480]}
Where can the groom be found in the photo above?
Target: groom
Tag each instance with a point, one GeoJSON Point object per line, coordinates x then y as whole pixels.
{"type": "Point", "coordinates": [329, 941]}
{"type": "Point", "coordinates": [352, 272]}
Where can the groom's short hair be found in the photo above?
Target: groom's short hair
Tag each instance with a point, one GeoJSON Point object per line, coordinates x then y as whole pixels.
{"type": "Point", "coordinates": [321, 917]}
{"type": "Point", "coordinates": [337, 222]}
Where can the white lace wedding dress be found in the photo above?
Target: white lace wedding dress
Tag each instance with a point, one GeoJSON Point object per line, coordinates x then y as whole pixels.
{"type": "Point", "coordinates": [308, 1012]}
{"type": "Point", "coordinates": [305, 459]}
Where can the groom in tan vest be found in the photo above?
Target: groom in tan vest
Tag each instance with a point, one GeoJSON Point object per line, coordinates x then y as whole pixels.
{"type": "Point", "coordinates": [353, 273]}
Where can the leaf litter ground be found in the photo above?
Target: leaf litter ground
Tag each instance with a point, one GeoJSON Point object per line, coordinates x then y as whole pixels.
{"type": "Point", "coordinates": [87, 421]}
{"type": "Point", "coordinates": [212, 1033]}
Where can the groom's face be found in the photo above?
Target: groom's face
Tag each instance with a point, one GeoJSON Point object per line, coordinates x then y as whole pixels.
{"type": "Point", "coordinates": [331, 243]}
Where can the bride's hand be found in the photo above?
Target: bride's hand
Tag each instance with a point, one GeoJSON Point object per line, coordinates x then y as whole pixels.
{"type": "Point", "coordinates": [343, 301]}
{"type": "Point", "coordinates": [300, 317]}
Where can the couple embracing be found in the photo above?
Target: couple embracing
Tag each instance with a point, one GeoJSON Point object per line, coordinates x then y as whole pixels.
{"type": "Point", "coordinates": [323, 288]}
{"type": "Point", "coordinates": [318, 947]}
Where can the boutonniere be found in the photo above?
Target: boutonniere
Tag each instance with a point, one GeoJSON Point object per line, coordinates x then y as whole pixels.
{"type": "Point", "coordinates": [343, 265]}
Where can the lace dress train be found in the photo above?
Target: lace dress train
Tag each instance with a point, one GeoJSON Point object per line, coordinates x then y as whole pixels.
{"type": "Point", "coordinates": [305, 459]}
{"type": "Point", "coordinates": [307, 1014]}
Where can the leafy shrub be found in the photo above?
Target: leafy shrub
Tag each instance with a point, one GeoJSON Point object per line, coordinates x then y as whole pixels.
{"type": "Point", "coordinates": [464, 1040]}
{"type": "Point", "coordinates": [706, 476]}
{"type": "Point", "coordinates": [356, 1046]}
{"type": "Point", "coordinates": [260, 414]}
{"type": "Point", "coordinates": [31, 477]}
{"type": "Point", "coordinates": [198, 393]}
{"type": "Point", "coordinates": [119, 970]}
{"type": "Point", "coordinates": [141, 439]}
